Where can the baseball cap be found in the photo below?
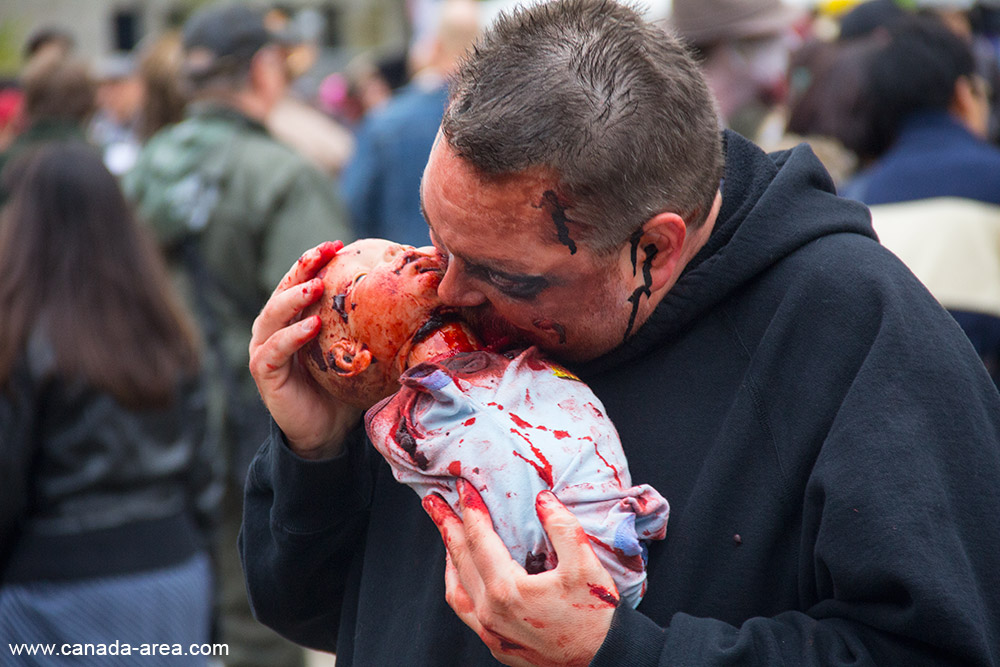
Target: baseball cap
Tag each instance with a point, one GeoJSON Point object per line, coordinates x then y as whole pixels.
{"type": "Point", "coordinates": [706, 22]}
{"type": "Point", "coordinates": [220, 38]}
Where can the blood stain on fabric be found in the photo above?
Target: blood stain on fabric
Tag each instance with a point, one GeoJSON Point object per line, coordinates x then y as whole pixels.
{"type": "Point", "coordinates": [614, 470]}
{"type": "Point", "coordinates": [520, 422]}
{"type": "Point", "coordinates": [543, 466]}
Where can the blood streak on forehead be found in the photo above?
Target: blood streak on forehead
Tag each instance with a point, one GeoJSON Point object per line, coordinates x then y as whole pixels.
{"type": "Point", "coordinates": [557, 211]}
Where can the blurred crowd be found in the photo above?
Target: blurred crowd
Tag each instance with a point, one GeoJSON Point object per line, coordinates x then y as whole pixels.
{"type": "Point", "coordinates": [153, 199]}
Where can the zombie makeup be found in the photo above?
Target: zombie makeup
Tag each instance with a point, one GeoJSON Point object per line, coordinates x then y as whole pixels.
{"type": "Point", "coordinates": [557, 211]}
{"type": "Point", "coordinates": [646, 288]}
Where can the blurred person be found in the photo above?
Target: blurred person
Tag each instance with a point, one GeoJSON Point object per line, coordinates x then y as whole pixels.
{"type": "Point", "coordinates": [350, 95]}
{"type": "Point", "coordinates": [868, 17]}
{"type": "Point", "coordinates": [49, 41]}
{"type": "Point", "coordinates": [59, 99]}
{"type": "Point", "coordinates": [232, 207]}
{"type": "Point", "coordinates": [315, 135]}
{"type": "Point", "coordinates": [381, 183]}
{"type": "Point", "coordinates": [825, 84]}
{"type": "Point", "coordinates": [107, 490]}
{"type": "Point", "coordinates": [978, 24]}
{"type": "Point", "coordinates": [952, 13]}
{"type": "Point", "coordinates": [934, 190]}
{"type": "Point", "coordinates": [828, 440]}
{"type": "Point", "coordinates": [985, 20]}
{"type": "Point", "coordinates": [120, 98]}
{"type": "Point", "coordinates": [160, 70]}
{"type": "Point", "coordinates": [744, 49]}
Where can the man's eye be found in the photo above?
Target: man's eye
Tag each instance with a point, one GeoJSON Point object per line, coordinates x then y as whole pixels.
{"type": "Point", "coordinates": [517, 288]}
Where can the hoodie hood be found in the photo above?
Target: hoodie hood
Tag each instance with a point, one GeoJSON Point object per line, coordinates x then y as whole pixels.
{"type": "Point", "coordinates": [772, 204]}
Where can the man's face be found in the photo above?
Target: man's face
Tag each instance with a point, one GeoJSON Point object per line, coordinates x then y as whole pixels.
{"type": "Point", "coordinates": [377, 296]}
{"type": "Point", "coordinates": [514, 265]}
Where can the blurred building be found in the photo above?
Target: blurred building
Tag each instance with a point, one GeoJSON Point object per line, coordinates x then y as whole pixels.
{"type": "Point", "coordinates": [101, 27]}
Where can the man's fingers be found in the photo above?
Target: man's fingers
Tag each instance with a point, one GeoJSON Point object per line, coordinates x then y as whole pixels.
{"type": "Point", "coordinates": [453, 535]}
{"type": "Point", "coordinates": [488, 552]}
{"type": "Point", "coordinates": [447, 522]}
{"type": "Point", "coordinates": [458, 598]}
{"type": "Point", "coordinates": [573, 548]}
{"type": "Point", "coordinates": [308, 264]}
{"type": "Point", "coordinates": [282, 308]}
{"type": "Point", "coordinates": [270, 359]}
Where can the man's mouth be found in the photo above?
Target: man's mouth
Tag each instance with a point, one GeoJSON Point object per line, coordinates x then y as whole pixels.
{"type": "Point", "coordinates": [496, 333]}
{"type": "Point", "coordinates": [439, 318]}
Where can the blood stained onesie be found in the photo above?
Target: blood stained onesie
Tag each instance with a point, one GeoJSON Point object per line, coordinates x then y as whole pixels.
{"type": "Point", "coordinates": [514, 427]}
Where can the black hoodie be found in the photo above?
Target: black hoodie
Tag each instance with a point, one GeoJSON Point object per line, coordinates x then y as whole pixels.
{"type": "Point", "coordinates": [827, 438]}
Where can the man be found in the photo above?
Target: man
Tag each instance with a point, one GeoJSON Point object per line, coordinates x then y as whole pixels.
{"type": "Point", "coordinates": [827, 439]}
{"type": "Point", "coordinates": [120, 99]}
{"type": "Point", "coordinates": [381, 182]}
{"type": "Point", "coordinates": [59, 99]}
{"type": "Point", "coordinates": [934, 191]}
{"type": "Point", "coordinates": [232, 207]}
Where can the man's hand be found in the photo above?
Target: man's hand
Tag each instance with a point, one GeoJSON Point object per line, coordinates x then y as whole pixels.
{"type": "Point", "coordinates": [313, 422]}
{"type": "Point", "coordinates": [558, 617]}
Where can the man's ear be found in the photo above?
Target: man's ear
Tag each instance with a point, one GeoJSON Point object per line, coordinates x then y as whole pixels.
{"type": "Point", "coordinates": [657, 249]}
{"type": "Point", "coordinates": [969, 104]}
{"type": "Point", "coordinates": [267, 73]}
{"type": "Point", "coordinates": [348, 357]}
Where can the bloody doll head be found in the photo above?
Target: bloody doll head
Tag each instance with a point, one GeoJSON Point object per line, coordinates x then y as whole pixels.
{"type": "Point", "coordinates": [379, 305]}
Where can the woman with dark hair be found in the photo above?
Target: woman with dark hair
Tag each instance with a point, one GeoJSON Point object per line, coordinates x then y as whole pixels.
{"type": "Point", "coordinates": [107, 485]}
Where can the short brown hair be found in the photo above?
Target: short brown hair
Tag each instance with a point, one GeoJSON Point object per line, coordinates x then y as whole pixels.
{"type": "Point", "coordinates": [612, 103]}
{"type": "Point", "coordinates": [56, 87]}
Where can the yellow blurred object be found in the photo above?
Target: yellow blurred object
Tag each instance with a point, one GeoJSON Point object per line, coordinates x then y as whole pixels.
{"type": "Point", "coordinates": [837, 7]}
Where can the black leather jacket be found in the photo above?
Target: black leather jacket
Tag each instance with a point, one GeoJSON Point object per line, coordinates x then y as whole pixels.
{"type": "Point", "coordinates": [82, 474]}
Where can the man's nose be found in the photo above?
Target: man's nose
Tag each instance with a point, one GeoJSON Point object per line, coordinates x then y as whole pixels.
{"type": "Point", "coordinates": [455, 290]}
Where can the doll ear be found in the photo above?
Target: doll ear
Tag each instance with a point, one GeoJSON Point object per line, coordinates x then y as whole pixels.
{"type": "Point", "coordinates": [348, 357]}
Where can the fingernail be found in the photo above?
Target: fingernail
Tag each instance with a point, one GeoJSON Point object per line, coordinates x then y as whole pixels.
{"type": "Point", "coordinates": [432, 505]}
{"type": "Point", "coordinates": [468, 496]}
{"type": "Point", "coordinates": [464, 490]}
{"type": "Point", "coordinates": [330, 247]}
{"type": "Point", "coordinates": [545, 497]}
{"type": "Point", "coordinates": [309, 324]}
{"type": "Point", "coordinates": [309, 287]}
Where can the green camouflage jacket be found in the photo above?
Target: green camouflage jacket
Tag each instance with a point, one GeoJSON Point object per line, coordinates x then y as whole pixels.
{"type": "Point", "coordinates": [233, 209]}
